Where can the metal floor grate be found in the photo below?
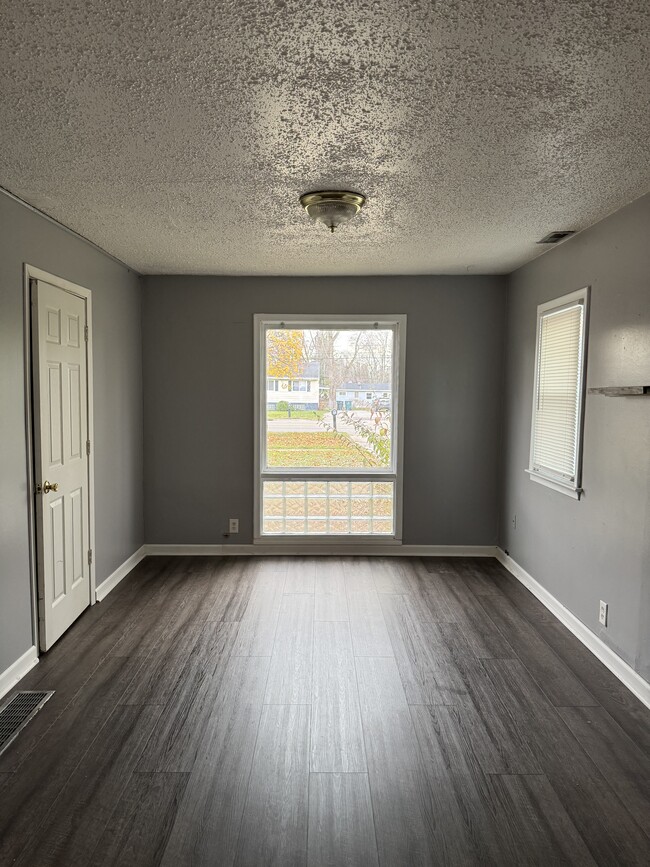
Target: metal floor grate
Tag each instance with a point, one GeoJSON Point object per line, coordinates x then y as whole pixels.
{"type": "Point", "coordinates": [17, 712]}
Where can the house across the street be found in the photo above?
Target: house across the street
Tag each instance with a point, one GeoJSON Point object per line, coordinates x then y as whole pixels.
{"type": "Point", "coordinates": [300, 392]}
{"type": "Point", "coordinates": [362, 395]}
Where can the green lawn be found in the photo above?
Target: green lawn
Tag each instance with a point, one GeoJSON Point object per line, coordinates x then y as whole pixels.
{"type": "Point", "coordinates": [327, 449]}
{"type": "Point", "coordinates": [296, 413]}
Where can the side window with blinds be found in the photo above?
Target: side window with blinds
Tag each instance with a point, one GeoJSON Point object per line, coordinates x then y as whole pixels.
{"type": "Point", "coordinates": [558, 399]}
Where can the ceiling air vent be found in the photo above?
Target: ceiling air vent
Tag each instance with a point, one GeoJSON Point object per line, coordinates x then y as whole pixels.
{"type": "Point", "coordinates": [555, 237]}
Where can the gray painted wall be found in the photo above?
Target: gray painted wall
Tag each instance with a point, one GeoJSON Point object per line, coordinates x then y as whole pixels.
{"type": "Point", "coordinates": [198, 373]}
{"type": "Point", "coordinates": [598, 548]}
{"type": "Point", "coordinates": [27, 237]}
{"type": "Point", "coordinates": [198, 417]}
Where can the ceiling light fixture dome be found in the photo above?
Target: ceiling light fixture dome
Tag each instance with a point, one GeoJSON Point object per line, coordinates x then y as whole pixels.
{"type": "Point", "coordinates": [332, 207]}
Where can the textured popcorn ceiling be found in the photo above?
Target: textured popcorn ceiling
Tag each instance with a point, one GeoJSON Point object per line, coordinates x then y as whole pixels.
{"type": "Point", "coordinates": [178, 134]}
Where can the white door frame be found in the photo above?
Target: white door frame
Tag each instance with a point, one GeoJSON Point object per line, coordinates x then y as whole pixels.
{"type": "Point", "coordinates": [33, 273]}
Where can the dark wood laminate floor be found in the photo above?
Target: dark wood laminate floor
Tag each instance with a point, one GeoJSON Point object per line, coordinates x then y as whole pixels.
{"type": "Point", "coordinates": [325, 711]}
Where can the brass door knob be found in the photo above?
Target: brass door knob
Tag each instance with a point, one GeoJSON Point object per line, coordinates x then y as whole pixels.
{"type": "Point", "coordinates": [47, 487]}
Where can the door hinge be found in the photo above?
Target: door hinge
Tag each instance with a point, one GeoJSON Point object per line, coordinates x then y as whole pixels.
{"type": "Point", "coordinates": [86, 333]}
{"type": "Point", "coordinates": [87, 447]}
{"type": "Point", "coordinates": [90, 556]}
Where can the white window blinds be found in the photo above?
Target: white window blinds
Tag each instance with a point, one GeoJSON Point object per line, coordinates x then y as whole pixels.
{"type": "Point", "coordinates": [558, 393]}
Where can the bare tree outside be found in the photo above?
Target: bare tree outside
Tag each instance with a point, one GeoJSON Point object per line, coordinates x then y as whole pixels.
{"type": "Point", "coordinates": [358, 356]}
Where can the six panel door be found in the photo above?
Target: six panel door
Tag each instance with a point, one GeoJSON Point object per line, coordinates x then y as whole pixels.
{"type": "Point", "coordinates": [61, 459]}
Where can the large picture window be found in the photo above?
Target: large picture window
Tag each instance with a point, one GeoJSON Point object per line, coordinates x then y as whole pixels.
{"type": "Point", "coordinates": [558, 400]}
{"type": "Point", "coordinates": [328, 437]}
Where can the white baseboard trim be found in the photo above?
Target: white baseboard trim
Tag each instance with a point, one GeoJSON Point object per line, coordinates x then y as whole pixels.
{"type": "Point", "coordinates": [10, 677]}
{"type": "Point", "coordinates": [323, 550]}
{"type": "Point", "coordinates": [121, 572]}
{"type": "Point", "coordinates": [624, 672]}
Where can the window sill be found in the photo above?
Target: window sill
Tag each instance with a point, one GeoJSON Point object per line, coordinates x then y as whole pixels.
{"type": "Point", "coordinates": [287, 539]}
{"type": "Point", "coordinates": [568, 490]}
{"type": "Point", "coordinates": [311, 473]}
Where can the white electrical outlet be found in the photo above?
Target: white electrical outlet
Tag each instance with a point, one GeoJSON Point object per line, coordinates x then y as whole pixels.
{"type": "Point", "coordinates": [602, 612]}
{"type": "Point", "coordinates": [233, 525]}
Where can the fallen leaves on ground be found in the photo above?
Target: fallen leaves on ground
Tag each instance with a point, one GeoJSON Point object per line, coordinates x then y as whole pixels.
{"type": "Point", "coordinates": [306, 449]}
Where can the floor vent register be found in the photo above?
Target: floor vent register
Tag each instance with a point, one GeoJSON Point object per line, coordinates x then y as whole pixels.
{"type": "Point", "coordinates": [17, 712]}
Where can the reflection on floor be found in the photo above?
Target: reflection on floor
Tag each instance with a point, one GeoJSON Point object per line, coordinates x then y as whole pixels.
{"type": "Point", "coordinates": [325, 711]}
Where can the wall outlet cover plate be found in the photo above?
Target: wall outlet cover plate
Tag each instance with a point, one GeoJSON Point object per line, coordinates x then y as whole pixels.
{"type": "Point", "coordinates": [602, 613]}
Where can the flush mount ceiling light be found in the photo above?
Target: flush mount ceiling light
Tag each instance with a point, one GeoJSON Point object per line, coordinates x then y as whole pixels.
{"type": "Point", "coordinates": [332, 207]}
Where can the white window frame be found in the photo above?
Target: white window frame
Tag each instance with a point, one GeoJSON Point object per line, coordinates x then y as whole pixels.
{"type": "Point", "coordinates": [570, 488]}
{"type": "Point", "coordinates": [263, 322]}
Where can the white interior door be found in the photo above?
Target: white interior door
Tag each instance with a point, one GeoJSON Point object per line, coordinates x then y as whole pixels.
{"type": "Point", "coordinates": [61, 458]}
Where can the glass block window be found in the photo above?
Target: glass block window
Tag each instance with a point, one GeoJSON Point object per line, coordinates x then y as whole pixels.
{"type": "Point", "coordinates": [328, 508]}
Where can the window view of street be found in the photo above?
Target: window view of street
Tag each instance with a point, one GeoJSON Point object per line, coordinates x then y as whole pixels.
{"type": "Point", "coordinates": [329, 398]}
{"type": "Point", "coordinates": [329, 402]}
